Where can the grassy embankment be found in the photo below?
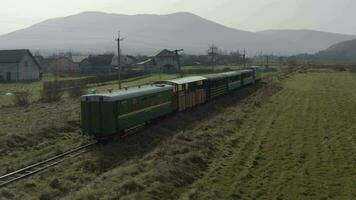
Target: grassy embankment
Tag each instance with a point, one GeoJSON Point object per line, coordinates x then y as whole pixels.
{"type": "Point", "coordinates": [35, 88]}
{"type": "Point", "coordinates": [159, 162]}
{"type": "Point", "coordinates": [299, 145]}
{"type": "Point", "coordinates": [39, 130]}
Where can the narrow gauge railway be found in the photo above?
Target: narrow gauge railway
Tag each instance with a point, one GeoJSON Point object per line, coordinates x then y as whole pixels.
{"type": "Point", "coordinates": [111, 114]}
{"type": "Point", "coordinates": [106, 115]}
{"type": "Point", "coordinates": [43, 165]}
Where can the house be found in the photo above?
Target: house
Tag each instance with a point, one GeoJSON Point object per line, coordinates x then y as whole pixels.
{"type": "Point", "coordinates": [97, 64]}
{"type": "Point", "coordinates": [18, 65]}
{"type": "Point", "coordinates": [126, 61]}
{"type": "Point", "coordinates": [64, 65]}
{"type": "Point", "coordinates": [165, 61]}
{"type": "Point", "coordinates": [78, 58]}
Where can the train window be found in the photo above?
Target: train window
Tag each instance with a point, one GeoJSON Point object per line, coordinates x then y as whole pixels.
{"type": "Point", "coordinates": [123, 107]}
{"type": "Point", "coordinates": [180, 88]}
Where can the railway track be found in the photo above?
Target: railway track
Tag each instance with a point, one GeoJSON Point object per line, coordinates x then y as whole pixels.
{"type": "Point", "coordinates": [43, 165]}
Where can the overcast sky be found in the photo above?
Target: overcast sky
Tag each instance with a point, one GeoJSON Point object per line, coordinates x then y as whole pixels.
{"type": "Point", "coordinates": [251, 15]}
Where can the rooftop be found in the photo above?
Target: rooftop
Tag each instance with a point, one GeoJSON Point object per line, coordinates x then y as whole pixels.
{"type": "Point", "coordinates": [12, 56]}
{"type": "Point", "coordinates": [165, 53]}
{"type": "Point", "coordinates": [127, 93]}
{"type": "Point", "coordinates": [185, 80]}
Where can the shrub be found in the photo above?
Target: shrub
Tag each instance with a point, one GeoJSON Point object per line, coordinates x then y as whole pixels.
{"type": "Point", "coordinates": [131, 186]}
{"type": "Point", "coordinates": [49, 194]}
{"type": "Point", "coordinates": [51, 92]}
{"type": "Point", "coordinates": [7, 194]}
{"type": "Point", "coordinates": [75, 92]}
{"type": "Point", "coordinates": [22, 98]}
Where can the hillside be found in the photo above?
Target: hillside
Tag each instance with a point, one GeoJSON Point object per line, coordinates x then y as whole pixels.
{"type": "Point", "coordinates": [145, 34]}
{"type": "Point", "coordinates": [310, 40]}
{"type": "Point", "coordinates": [345, 51]}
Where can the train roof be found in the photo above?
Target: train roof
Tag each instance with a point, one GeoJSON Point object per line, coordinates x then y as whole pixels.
{"type": "Point", "coordinates": [246, 71]}
{"type": "Point", "coordinates": [232, 73]}
{"type": "Point", "coordinates": [256, 67]}
{"type": "Point", "coordinates": [223, 75]}
{"type": "Point", "coordinates": [185, 80]}
{"type": "Point", "coordinates": [127, 93]}
{"type": "Point", "coordinates": [215, 76]}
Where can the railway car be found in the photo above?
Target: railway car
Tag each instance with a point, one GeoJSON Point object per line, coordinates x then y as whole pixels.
{"type": "Point", "coordinates": [188, 92]}
{"type": "Point", "coordinates": [247, 76]}
{"type": "Point", "coordinates": [257, 72]}
{"type": "Point", "coordinates": [217, 85]}
{"type": "Point", "coordinates": [105, 115]}
{"type": "Point", "coordinates": [234, 79]}
{"type": "Point", "coordinates": [108, 114]}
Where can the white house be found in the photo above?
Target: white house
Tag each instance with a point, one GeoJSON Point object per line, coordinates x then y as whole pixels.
{"type": "Point", "coordinates": [165, 61]}
{"type": "Point", "coordinates": [18, 65]}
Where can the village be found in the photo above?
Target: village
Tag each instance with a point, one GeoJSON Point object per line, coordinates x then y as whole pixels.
{"type": "Point", "coordinates": [22, 65]}
{"type": "Point", "coordinates": [121, 100]}
{"type": "Point", "coordinates": [28, 77]}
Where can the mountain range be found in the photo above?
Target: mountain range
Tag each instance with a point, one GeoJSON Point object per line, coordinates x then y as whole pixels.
{"type": "Point", "coordinates": [341, 52]}
{"type": "Point", "coordinates": [91, 32]}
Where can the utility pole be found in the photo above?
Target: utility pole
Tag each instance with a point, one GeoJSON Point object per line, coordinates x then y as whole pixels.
{"type": "Point", "coordinates": [212, 51]}
{"type": "Point", "coordinates": [178, 61]}
{"type": "Point", "coordinates": [119, 39]}
{"type": "Point", "coordinates": [244, 58]}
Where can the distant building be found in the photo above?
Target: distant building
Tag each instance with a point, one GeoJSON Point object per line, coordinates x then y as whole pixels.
{"type": "Point", "coordinates": [98, 64]}
{"type": "Point", "coordinates": [126, 61]}
{"type": "Point", "coordinates": [78, 59]}
{"type": "Point", "coordinates": [165, 61]}
{"type": "Point", "coordinates": [18, 65]}
{"type": "Point", "coordinates": [64, 65]}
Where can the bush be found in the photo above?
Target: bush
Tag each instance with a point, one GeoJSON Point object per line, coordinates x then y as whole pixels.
{"type": "Point", "coordinates": [22, 98]}
{"type": "Point", "coordinates": [51, 92]}
{"type": "Point", "coordinates": [49, 194]}
{"type": "Point", "coordinates": [131, 186]}
{"type": "Point", "coordinates": [76, 92]}
{"type": "Point", "coordinates": [7, 194]}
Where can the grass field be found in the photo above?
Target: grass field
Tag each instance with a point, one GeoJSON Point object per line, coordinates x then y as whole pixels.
{"type": "Point", "coordinates": [287, 139]}
{"type": "Point", "coordinates": [300, 145]}
{"type": "Point", "coordinates": [35, 88]}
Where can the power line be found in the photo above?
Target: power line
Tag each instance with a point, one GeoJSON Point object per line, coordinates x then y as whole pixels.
{"type": "Point", "coordinates": [178, 61]}
{"type": "Point", "coordinates": [119, 39]}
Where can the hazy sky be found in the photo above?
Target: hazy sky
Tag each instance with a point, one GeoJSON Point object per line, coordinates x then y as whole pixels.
{"type": "Point", "coordinates": [251, 15]}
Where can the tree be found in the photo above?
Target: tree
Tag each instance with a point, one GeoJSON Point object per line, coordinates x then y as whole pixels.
{"type": "Point", "coordinates": [213, 53]}
{"type": "Point", "coordinates": [235, 57]}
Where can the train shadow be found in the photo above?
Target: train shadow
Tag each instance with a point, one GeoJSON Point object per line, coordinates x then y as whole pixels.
{"type": "Point", "coordinates": [147, 139]}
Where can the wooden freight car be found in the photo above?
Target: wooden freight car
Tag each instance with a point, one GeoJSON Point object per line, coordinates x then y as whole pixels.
{"type": "Point", "coordinates": [188, 92]}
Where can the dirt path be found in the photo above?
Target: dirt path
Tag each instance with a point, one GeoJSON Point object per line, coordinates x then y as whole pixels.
{"type": "Point", "coordinates": [300, 145]}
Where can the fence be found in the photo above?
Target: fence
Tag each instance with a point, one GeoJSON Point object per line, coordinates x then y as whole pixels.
{"type": "Point", "coordinates": [64, 85]}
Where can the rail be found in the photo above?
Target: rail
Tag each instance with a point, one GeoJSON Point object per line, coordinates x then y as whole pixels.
{"type": "Point", "coordinates": [43, 165]}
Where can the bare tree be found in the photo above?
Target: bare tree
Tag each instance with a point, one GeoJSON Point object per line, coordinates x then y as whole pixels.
{"type": "Point", "coordinates": [213, 53]}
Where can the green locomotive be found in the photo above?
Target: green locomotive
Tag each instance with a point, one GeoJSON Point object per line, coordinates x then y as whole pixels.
{"type": "Point", "coordinates": [103, 115]}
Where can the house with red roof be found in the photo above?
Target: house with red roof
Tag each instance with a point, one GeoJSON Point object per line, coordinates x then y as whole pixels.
{"type": "Point", "coordinates": [164, 61]}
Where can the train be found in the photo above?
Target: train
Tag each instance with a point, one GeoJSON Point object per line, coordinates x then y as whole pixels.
{"type": "Point", "coordinates": [110, 114]}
